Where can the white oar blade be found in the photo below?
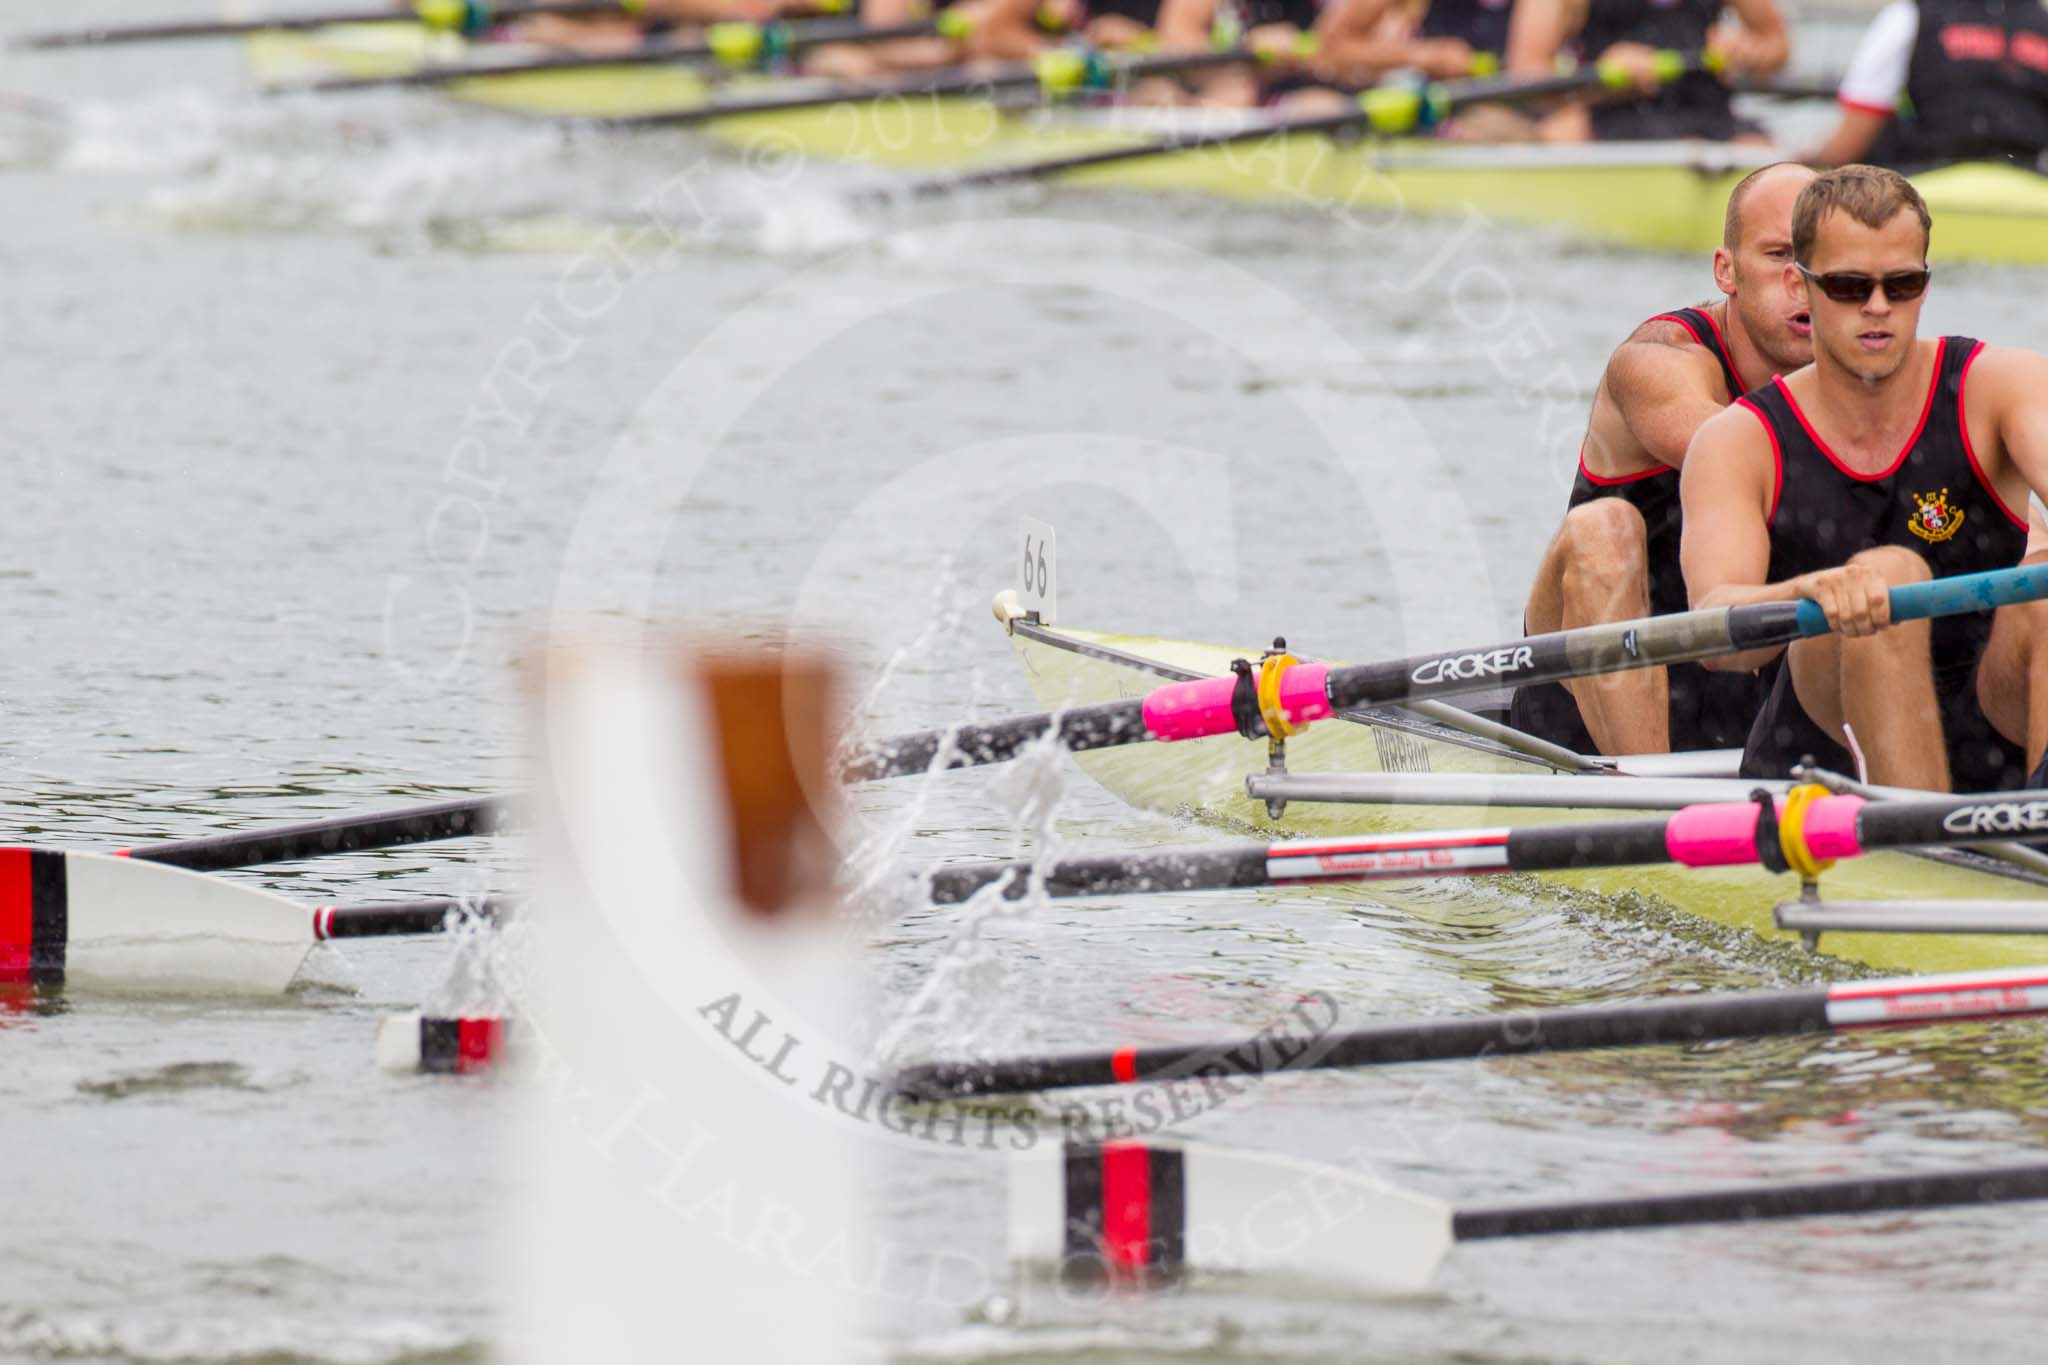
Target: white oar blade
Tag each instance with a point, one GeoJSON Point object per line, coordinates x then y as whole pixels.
{"type": "Point", "coordinates": [87, 920]}
{"type": "Point", "coordinates": [1129, 1208]}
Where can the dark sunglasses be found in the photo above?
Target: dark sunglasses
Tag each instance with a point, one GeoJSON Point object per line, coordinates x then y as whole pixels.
{"type": "Point", "coordinates": [1851, 286]}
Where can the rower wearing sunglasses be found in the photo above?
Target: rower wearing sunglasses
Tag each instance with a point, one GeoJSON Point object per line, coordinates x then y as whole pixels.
{"type": "Point", "coordinates": [1891, 459]}
{"type": "Point", "coordinates": [1615, 556]}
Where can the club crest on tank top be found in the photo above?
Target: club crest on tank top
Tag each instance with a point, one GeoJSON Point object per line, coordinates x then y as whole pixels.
{"type": "Point", "coordinates": [1932, 499]}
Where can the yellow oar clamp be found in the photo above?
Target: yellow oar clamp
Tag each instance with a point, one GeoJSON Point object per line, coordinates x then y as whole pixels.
{"type": "Point", "coordinates": [737, 43]}
{"type": "Point", "coordinates": [1399, 109]}
{"type": "Point", "coordinates": [1666, 65]}
{"type": "Point", "coordinates": [1065, 70]}
{"type": "Point", "coordinates": [1792, 831]}
{"type": "Point", "coordinates": [1270, 669]}
{"type": "Point", "coordinates": [453, 16]}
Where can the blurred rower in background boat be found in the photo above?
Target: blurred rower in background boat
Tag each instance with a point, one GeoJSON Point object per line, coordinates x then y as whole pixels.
{"type": "Point", "coordinates": [971, 31]}
{"type": "Point", "coordinates": [1630, 33]}
{"type": "Point", "coordinates": [1616, 557]}
{"type": "Point", "coordinates": [1889, 460]}
{"type": "Point", "coordinates": [986, 31]}
{"type": "Point", "coordinates": [599, 34]}
{"type": "Point", "coordinates": [1360, 42]}
{"type": "Point", "coordinates": [1943, 81]}
{"type": "Point", "coordinates": [1282, 32]}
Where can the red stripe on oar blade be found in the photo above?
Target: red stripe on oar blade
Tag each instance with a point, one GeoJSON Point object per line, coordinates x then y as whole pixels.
{"type": "Point", "coordinates": [17, 915]}
{"type": "Point", "coordinates": [1123, 1064]}
{"type": "Point", "coordinates": [476, 1043]}
{"type": "Point", "coordinates": [1126, 1205]}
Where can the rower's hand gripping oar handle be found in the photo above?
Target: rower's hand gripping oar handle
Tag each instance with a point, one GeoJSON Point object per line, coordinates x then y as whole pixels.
{"type": "Point", "coordinates": [1956, 596]}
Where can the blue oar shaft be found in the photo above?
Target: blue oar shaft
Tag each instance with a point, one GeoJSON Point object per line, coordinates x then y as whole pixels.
{"type": "Point", "coordinates": [1957, 596]}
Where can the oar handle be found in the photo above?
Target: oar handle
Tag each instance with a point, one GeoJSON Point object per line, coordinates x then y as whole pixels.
{"type": "Point", "coordinates": [1957, 596]}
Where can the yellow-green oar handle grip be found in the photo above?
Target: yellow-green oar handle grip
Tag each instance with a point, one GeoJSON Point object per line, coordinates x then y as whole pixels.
{"type": "Point", "coordinates": [735, 42]}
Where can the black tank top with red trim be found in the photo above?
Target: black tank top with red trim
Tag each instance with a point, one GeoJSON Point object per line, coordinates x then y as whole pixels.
{"type": "Point", "coordinates": [1933, 500]}
{"type": "Point", "coordinates": [1654, 491]}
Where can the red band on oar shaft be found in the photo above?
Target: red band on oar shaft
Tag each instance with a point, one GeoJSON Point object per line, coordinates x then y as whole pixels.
{"type": "Point", "coordinates": [1126, 1205]}
{"type": "Point", "coordinates": [1123, 1063]}
{"type": "Point", "coordinates": [35, 916]}
{"type": "Point", "coordinates": [477, 1043]}
{"type": "Point", "coordinates": [17, 915]}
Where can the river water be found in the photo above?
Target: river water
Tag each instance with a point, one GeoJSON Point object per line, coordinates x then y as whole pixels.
{"type": "Point", "coordinates": [302, 404]}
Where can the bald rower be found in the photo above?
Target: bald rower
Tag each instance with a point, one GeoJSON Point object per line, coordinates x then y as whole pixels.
{"type": "Point", "coordinates": [1616, 556]}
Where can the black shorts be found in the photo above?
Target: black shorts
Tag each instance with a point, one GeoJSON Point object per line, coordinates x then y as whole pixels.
{"type": "Point", "coordinates": [1979, 758]}
{"type": "Point", "coordinates": [1709, 710]}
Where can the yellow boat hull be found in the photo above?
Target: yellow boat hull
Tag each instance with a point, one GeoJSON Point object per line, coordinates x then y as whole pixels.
{"type": "Point", "coordinates": [1206, 778]}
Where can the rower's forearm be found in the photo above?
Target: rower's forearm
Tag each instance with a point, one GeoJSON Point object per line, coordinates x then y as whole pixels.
{"type": "Point", "coordinates": [1769, 51]}
{"type": "Point", "coordinates": [1357, 61]}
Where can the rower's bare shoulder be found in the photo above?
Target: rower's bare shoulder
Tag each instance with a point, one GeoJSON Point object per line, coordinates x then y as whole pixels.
{"type": "Point", "coordinates": [2010, 371]}
{"type": "Point", "coordinates": [1662, 348]}
{"type": "Point", "coordinates": [1733, 436]}
{"type": "Point", "coordinates": [1663, 330]}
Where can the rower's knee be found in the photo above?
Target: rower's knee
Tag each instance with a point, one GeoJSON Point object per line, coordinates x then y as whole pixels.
{"type": "Point", "coordinates": [1606, 563]}
{"type": "Point", "coordinates": [1895, 562]}
{"type": "Point", "coordinates": [1605, 541]}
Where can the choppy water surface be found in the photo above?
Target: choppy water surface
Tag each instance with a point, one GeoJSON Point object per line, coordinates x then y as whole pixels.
{"type": "Point", "coordinates": [303, 403]}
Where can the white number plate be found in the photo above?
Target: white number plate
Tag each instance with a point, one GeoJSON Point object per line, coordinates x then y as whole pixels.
{"type": "Point", "coordinates": [1038, 580]}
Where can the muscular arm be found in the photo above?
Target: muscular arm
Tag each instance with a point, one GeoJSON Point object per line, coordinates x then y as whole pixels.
{"type": "Point", "coordinates": [1665, 388]}
{"type": "Point", "coordinates": [1725, 486]}
{"type": "Point", "coordinates": [2018, 391]}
